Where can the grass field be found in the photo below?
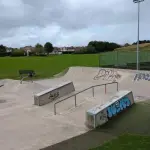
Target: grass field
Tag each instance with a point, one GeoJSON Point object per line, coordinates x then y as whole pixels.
{"type": "Point", "coordinates": [43, 66]}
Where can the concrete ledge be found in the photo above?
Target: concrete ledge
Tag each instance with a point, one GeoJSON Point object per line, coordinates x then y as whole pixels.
{"type": "Point", "coordinates": [99, 115]}
{"type": "Point", "coordinates": [52, 94]}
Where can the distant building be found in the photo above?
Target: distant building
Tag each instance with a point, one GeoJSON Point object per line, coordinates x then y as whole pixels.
{"type": "Point", "coordinates": [28, 49]}
{"type": "Point", "coordinates": [69, 49]}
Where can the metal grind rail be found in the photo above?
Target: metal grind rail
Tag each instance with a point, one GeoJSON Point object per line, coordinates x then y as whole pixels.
{"type": "Point", "coordinates": [93, 93]}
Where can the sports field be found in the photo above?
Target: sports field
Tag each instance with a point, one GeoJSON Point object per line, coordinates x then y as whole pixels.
{"type": "Point", "coordinates": [44, 66]}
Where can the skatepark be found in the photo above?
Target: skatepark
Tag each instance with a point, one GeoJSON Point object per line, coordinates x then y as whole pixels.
{"type": "Point", "coordinates": [26, 126]}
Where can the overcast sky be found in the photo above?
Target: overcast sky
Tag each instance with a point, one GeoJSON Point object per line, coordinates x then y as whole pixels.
{"type": "Point", "coordinates": [71, 22]}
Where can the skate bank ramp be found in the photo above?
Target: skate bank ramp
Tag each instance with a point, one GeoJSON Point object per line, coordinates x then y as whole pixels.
{"type": "Point", "coordinates": [99, 115]}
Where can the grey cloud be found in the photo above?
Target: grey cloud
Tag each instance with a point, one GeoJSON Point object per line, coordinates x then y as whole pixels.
{"type": "Point", "coordinates": [69, 15]}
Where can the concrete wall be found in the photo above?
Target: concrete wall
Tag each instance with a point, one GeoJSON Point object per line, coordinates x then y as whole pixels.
{"type": "Point", "coordinates": [101, 114]}
{"type": "Point", "coordinates": [52, 94]}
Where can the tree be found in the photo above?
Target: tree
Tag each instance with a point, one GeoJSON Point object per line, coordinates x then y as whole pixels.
{"type": "Point", "coordinates": [48, 47]}
{"type": "Point", "coordinates": [2, 49]}
{"type": "Point", "coordinates": [91, 49]}
{"type": "Point", "coordinates": [39, 48]}
{"type": "Point", "coordinates": [103, 46]}
{"type": "Point", "coordinates": [127, 44]}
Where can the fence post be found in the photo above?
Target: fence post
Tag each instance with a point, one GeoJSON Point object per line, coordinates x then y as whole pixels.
{"type": "Point", "coordinates": [54, 109]}
{"type": "Point", "coordinates": [105, 88]}
{"type": "Point", "coordinates": [93, 91]}
{"type": "Point", "coordinates": [75, 98]}
{"type": "Point", "coordinates": [117, 60]}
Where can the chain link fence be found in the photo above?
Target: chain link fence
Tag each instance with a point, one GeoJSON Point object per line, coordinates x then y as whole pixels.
{"type": "Point", "coordinates": [123, 57]}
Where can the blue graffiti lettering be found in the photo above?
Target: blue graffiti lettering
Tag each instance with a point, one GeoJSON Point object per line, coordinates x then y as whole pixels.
{"type": "Point", "coordinates": [117, 107]}
{"type": "Point", "coordinates": [142, 76]}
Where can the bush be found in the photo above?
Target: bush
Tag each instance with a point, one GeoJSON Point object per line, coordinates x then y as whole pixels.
{"type": "Point", "coordinates": [32, 54]}
{"type": "Point", "coordinates": [17, 53]}
{"type": "Point", "coordinates": [3, 54]}
{"type": "Point", "coordinates": [68, 52]}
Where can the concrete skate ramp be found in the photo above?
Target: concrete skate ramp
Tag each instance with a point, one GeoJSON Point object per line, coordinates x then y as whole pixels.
{"type": "Point", "coordinates": [95, 74]}
{"type": "Point", "coordinates": [14, 86]}
{"type": "Point", "coordinates": [83, 77]}
{"type": "Point", "coordinates": [52, 94]}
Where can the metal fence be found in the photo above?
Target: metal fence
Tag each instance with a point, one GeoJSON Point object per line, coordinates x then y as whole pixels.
{"type": "Point", "coordinates": [123, 57]}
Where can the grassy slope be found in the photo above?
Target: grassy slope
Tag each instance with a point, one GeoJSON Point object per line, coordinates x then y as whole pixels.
{"type": "Point", "coordinates": [127, 142]}
{"type": "Point", "coordinates": [145, 46]}
{"type": "Point", "coordinates": [135, 121]}
{"type": "Point", "coordinates": [44, 66]}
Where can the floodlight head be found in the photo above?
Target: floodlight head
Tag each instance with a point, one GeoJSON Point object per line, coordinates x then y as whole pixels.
{"type": "Point", "coordinates": [137, 1]}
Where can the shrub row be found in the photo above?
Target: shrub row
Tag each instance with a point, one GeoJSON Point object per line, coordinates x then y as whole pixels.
{"type": "Point", "coordinates": [19, 54]}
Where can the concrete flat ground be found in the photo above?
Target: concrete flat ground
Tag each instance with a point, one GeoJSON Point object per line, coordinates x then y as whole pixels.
{"type": "Point", "coordinates": [24, 126]}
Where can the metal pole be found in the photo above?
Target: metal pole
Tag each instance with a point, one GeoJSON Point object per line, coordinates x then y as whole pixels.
{"type": "Point", "coordinates": [75, 98]}
{"type": "Point", "coordinates": [138, 36]}
{"type": "Point", "coordinates": [117, 86]}
{"type": "Point", "coordinates": [93, 91]}
{"type": "Point", "coordinates": [54, 109]}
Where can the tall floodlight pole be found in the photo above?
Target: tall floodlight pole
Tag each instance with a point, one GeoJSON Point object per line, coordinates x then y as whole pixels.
{"type": "Point", "coordinates": [138, 1]}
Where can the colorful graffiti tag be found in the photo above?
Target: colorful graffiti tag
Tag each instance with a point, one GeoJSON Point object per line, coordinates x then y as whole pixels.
{"type": "Point", "coordinates": [118, 106]}
{"type": "Point", "coordinates": [142, 76]}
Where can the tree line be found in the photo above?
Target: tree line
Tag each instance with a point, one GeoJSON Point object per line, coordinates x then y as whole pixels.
{"type": "Point", "coordinates": [39, 49]}
{"type": "Point", "coordinates": [99, 46]}
{"type": "Point", "coordinates": [142, 42]}
{"type": "Point", "coordinates": [92, 47]}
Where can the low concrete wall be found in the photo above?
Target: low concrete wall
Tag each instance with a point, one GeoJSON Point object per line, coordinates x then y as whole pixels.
{"type": "Point", "coordinates": [101, 114]}
{"type": "Point", "coordinates": [52, 94]}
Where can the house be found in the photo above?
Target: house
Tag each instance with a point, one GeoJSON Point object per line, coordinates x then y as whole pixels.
{"type": "Point", "coordinates": [28, 49]}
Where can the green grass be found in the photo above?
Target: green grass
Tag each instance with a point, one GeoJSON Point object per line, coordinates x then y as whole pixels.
{"type": "Point", "coordinates": [127, 142]}
{"type": "Point", "coordinates": [44, 66]}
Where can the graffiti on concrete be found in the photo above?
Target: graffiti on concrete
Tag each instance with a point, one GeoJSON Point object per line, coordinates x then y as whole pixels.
{"type": "Point", "coordinates": [107, 74]}
{"type": "Point", "coordinates": [103, 116]}
{"type": "Point", "coordinates": [54, 96]}
{"type": "Point", "coordinates": [142, 76]}
{"type": "Point", "coordinates": [114, 109]}
{"type": "Point", "coordinates": [118, 106]}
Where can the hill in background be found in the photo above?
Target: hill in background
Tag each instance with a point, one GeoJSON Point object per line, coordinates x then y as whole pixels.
{"type": "Point", "coordinates": [144, 46]}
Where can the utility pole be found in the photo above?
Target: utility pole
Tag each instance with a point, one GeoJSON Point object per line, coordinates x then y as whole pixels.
{"type": "Point", "coordinates": [137, 52]}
